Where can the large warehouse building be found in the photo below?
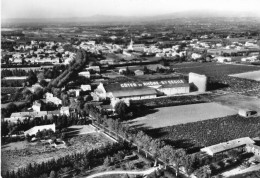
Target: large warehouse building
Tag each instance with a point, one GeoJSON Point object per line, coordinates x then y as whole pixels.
{"type": "Point", "coordinates": [143, 89]}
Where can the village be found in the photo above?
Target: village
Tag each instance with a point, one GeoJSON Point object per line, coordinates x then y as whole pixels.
{"type": "Point", "coordinates": [131, 102]}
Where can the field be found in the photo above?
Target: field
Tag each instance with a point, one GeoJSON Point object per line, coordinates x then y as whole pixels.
{"type": "Point", "coordinates": [237, 102]}
{"type": "Point", "coordinates": [168, 116]}
{"type": "Point", "coordinates": [219, 76]}
{"type": "Point", "coordinates": [255, 75]}
{"type": "Point", "coordinates": [17, 155]}
{"type": "Point", "coordinates": [80, 130]}
{"type": "Point", "coordinates": [193, 136]}
{"type": "Point", "coordinates": [214, 69]}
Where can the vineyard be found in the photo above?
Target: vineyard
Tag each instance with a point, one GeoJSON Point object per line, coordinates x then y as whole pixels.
{"type": "Point", "coordinates": [208, 132]}
{"type": "Point", "coordinates": [218, 77]}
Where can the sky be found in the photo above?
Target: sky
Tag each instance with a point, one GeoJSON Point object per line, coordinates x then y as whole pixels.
{"type": "Point", "coordinates": [86, 8]}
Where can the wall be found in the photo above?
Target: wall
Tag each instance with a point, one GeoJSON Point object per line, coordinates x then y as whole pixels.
{"type": "Point", "coordinates": [198, 82]}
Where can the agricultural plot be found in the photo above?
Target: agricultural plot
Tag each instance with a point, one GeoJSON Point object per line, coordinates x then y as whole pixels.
{"type": "Point", "coordinates": [192, 136]}
{"type": "Point", "coordinates": [168, 116]}
{"type": "Point", "coordinates": [20, 154]}
{"type": "Point", "coordinates": [214, 69]}
{"type": "Point", "coordinates": [255, 75]}
{"type": "Point", "coordinates": [219, 77]}
{"type": "Point", "coordinates": [237, 102]}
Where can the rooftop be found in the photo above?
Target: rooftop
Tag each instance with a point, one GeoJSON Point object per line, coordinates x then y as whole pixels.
{"type": "Point", "coordinates": [227, 145]}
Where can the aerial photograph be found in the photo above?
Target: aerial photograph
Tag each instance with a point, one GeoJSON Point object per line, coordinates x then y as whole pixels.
{"type": "Point", "coordinates": [130, 89]}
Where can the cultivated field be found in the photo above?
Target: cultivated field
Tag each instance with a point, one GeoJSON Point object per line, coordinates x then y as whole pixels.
{"type": "Point", "coordinates": [19, 154]}
{"type": "Point", "coordinates": [255, 75]}
{"type": "Point", "coordinates": [193, 136]}
{"type": "Point", "coordinates": [214, 69]}
{"type": "Point", "coordinates": [168, 116]}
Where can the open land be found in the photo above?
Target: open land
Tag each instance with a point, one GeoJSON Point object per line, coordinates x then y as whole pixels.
{"type": "Point", "coordinates": [19, 154]}
{"type": "Point", "coordinates": [168, 116]}
{"type": "Point", "coordinates": [214, 69]}
{"type": "Point", "coordinates": [255, 75]}
{"type": "Point", "coordinates": [237, 102]}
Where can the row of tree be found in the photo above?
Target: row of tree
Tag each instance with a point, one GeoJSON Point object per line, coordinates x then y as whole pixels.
{"type": "Point", "coordinates": [15, 72]}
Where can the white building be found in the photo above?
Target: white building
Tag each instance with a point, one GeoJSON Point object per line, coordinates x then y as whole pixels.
{"type": "Point", "coordinates": [35, 129]}
{"type": "Point", "coordinates": [223, 59]}
{"type": "Point", "coordinates": [85, 74]}
{"type": "Point", "coordinates": [52, 99]}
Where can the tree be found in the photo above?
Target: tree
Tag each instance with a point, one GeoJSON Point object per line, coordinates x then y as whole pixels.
{"type": "Point", "coordinates": [38, 134]}
{"type": "Point", "coordinates": [40, 76]}
{"type": "Point", "coordinates": [27, 137]}
{"type": "Point", "coordinates": [32, 78]}
{"type": "Point", "coordinates": [107, 161]}
{"type": "Point", "coordinates": [120, 109]}
{"type": "Point", "coordinates": [53, 174]}
{"type": "Point", "coordinates": [177, 159]}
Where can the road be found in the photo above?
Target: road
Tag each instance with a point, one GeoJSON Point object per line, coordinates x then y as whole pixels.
{"type": "Point", "coordinates": [145, 172]}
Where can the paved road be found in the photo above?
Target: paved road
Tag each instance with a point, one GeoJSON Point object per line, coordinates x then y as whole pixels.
{"type": "Point", "coordinates": [145, 172]}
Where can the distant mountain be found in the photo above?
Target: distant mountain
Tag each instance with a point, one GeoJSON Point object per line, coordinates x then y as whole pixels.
{"type": "Point", "coordinates": [107, 18]}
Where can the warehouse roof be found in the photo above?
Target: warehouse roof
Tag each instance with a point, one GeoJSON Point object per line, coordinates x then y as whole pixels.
{"type": "Point", "coordinates": [133, 93]}
{"type": "Point", "coordinates": [157, 83]}
{"type": "Point", "coordinates": [211, 150]}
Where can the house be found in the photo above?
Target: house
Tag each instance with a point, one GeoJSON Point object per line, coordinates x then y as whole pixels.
{"type": "Point", "coordinates": [85, 87]}
{"type": "Point", "coordinates": [251, 148]}
{"type": "Point", "coordinates": [238, 144]}
{"type": "Point", "coordinates": [35, 129]}
{"type": "Point", "coordinates": [65, 111]}
{"type": "Point", "coordinates": [246, 112]}
{"type": "Point", "coordinates": [36, 106]}
{"type": "Point", "coordinates": [223, 59]}
{"type": "Point", "coordinates": [195, 56]}
{"type": "Point", "coordinates": [249, 59]}
{"type": "Point", "coordinates": [85, 74]}
{"type": "Point", "coordinates": [94, 68]}
{"type": "Point", "coordinates": [139, 72]}
{"type": "Point", "coordinates": [51, 98]}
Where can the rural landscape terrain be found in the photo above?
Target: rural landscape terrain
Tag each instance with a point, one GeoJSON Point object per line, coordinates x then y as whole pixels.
{"type": "Point", "coordinates": [163, 96]}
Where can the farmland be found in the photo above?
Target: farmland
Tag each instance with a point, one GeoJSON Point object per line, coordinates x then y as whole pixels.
{"type": "Point", "coordinates": [214, 69]}
{"type": "Point", "coordinates": [168, 116]}
{"type": "Point", "coordinates": [255, 75]}
{"type": "Point", "coordinates": [20, 154]}
{"type": "Point", "coordinates": [239, 101]}
{"type": "Point", "coordinates": [208, 132]}
{"type": "Point", "coordinates": [219, 79]}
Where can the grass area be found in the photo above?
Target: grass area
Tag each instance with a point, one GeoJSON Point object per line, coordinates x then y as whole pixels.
{"type": "Point", "coordinates": [76, 130]}
{"type": "Point", "coordinates": [168, 116]}
{"type": "Point", "coordinates": [255, 75]}
{"type": "Point", "coordinates": [14, 156]}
